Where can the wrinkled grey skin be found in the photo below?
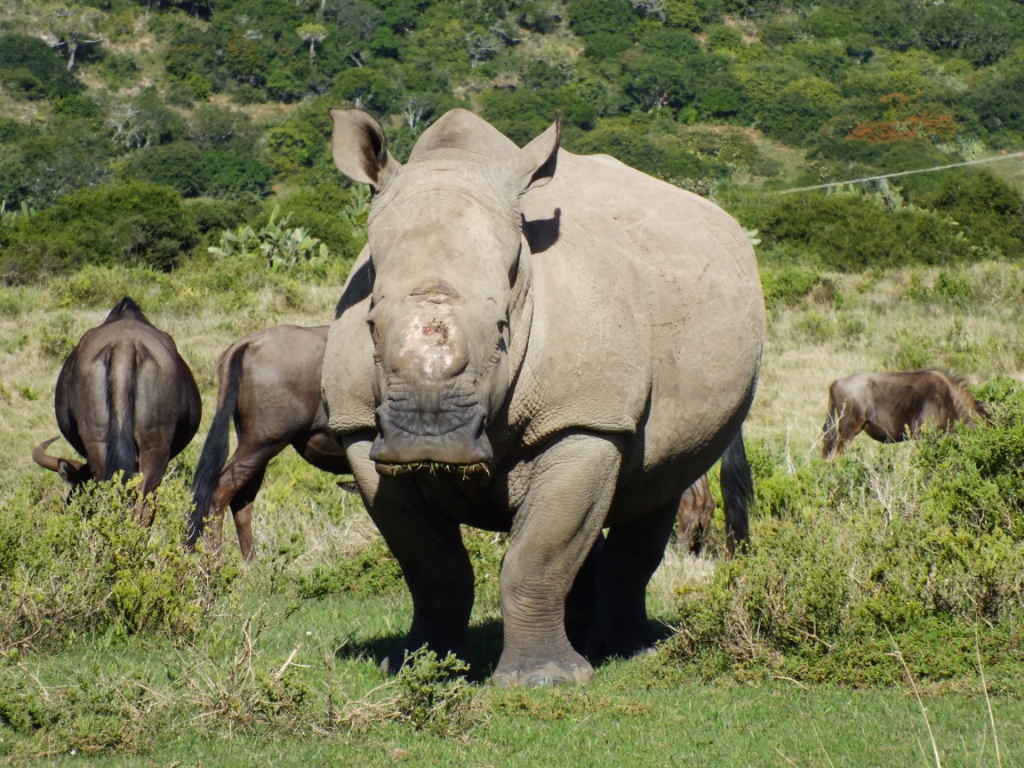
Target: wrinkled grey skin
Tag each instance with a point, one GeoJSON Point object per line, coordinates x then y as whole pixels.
{"type": "Point", "coordinates": [566, 344]}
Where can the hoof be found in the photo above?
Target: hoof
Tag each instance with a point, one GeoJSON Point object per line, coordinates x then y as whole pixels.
{"type": "Point", "coordinates": [542, 676]}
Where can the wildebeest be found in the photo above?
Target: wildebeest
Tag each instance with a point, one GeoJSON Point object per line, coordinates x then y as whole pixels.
{"type": "Point", "coordinates": [891, 407]}
{"type": "Point", "coordinates": [541, 343]}
{"type": "Point", "coordinates": [693, 516]}
{"type": "Point", "coordinates": [126, 400]}
{"type": "Point", "coordinates": [269, 385]}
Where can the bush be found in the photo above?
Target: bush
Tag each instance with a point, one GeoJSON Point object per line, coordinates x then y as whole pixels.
{"type": "Point", "coordinates": [663, 157]}
{"type": "Point", "coordinates": [136, 223]}
{"type": "Point", "coordinates": [849, 558]}
{"type": "Point", "coordinates": [29, 68]}
{"type": "Point", "coordinates": [41, 167]}
{"type": "Point", "coordinates": [987, 207]}
{"type": "Point", "coordinates": [90, 568]}
{"type": "Point", "coordinates": [849, 230]}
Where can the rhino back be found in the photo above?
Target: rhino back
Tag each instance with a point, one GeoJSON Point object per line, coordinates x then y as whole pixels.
{"type": "Point", "coordinates": [648, 312]}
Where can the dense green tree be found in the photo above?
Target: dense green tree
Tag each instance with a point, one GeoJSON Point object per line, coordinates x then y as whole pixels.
{"type": "Point", "coordinates": [974, 34]}
{"type": "Point", "coordinates": [30, 69]}
{"type": "Point", "coordinates": [984, 205]}
{"type": "Point", "coordinates": [800, 109]}
{"type": "Point", "coordinates": [606, 26]}
{"type": "Point", "coordinates": [48, 164]}
{"type": "Point", "coordinates": [137, 223]}
{"type": "Point", "coordinates": [193, 171]}
{"type": "Point", "coordinates": [212, 126]}
{"type": "Point", "coordinates": [522, 115]}
{"type": "Point", "coordinates": [662, 156]}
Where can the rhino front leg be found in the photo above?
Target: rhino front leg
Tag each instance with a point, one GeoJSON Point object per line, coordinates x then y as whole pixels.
{"type": "Point", "coordinates": [629, 557]}
{"type": "Point", "coordinates": [434, 562]}
{"type": "Point", "coordinates": [569, 492]}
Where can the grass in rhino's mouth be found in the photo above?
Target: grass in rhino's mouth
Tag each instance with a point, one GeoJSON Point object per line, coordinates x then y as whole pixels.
{"type": "Point", "coordinates": [434, 468]}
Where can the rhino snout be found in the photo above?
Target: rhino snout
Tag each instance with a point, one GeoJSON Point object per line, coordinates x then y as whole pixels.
{"type": "Point", "coordinates": [411, 437]}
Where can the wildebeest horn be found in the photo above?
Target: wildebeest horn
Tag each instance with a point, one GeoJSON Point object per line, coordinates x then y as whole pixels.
{"type": "Point", "coordinates": [45, 460]}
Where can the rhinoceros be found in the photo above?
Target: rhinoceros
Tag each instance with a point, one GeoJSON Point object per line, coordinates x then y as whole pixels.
{"type": "Point", "coordinates": [540, 343]}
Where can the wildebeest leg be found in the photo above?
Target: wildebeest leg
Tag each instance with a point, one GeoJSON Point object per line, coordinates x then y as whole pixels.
{"type": "Point", "coordinates": [239, 482]}
{"type": "Point", "coordinates": [631, 554]}
{"type": "Point", "coordinates": [694, 515]}
{"type": "Point", "coordinates": [152, 467]}
{"type": "Point", "coordinates": [554, 530]}
{"type": "Point", "coordinates": [844, 423]}
{"type": "Point", "coordinates": [241, 511]}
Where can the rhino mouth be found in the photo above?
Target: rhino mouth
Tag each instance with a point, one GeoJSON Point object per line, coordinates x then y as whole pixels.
{"type": "Point", "coordinates": [409, 442]}
{"type": "Point", "coordinates": [434, 468]}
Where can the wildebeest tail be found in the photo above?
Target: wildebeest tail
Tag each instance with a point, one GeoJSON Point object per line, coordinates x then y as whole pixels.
{"type": "Point", "coordinates": [737, 482]}
{"type": "Point", "coordinates": [215, 449]}
{"type": "Point", "coordinates": [122, 377]}
{"type": "Point", "coordinates": [830, 429]}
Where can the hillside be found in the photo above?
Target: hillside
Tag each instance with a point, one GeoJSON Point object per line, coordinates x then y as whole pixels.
{"type": "Point", "coordinates": [215, 112]}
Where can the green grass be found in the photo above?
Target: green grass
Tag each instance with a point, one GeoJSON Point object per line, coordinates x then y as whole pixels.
{"type": "Point", "coordinates": [640, 712]}
{"type": "Point", "coordinates": [788, 661]}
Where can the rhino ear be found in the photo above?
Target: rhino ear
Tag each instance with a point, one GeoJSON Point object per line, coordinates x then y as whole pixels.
{"type": "Point", "coordinates": [360, 149]}
{"type": "Point", "coordinates": [538, 159]}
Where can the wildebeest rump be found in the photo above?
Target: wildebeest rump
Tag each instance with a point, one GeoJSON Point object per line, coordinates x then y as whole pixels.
{"type": "Point", "coordinates": [126, 400]}
{"type": "Point", "coordinates": [892, 407]}
{"type": "Point", "coordinates": [270, 387]}
{"type": "Point", "coordinates": [541, 343]}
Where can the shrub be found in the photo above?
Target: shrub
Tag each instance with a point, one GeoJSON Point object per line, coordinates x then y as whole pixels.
{"type": "Point", "coordinates": [849, 230]}
{"type": "Point", "coordinates": [89, 567]}
{"type": "Point", "coordinates": [912, 547]}
{"type": "Point", "coordinates": [28, 67]}
{"type": "Point", "coordinates": [136, 223]}
{"type": "Point", "coordinates": [41, 167]}
{"type": "Point", "coordinates": [661, 156]}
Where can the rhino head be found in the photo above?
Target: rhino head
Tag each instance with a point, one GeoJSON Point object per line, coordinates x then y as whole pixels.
{"type": "Point", "coordinates": [444, 240]}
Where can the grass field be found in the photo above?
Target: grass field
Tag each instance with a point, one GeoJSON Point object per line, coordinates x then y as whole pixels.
{"type": "Point", "coordinates": [280, 669]}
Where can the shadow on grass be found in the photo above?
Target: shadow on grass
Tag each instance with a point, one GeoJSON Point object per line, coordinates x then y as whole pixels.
{"type": "Point", "coordinates": [485, 642]}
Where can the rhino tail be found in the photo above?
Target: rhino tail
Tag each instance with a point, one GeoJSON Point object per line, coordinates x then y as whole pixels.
{"type": "Point", "coordinates": [122, 377]}
{"type": "Point", "coordinates": [737, 482]}
{"type": "Point", "coordinates": [215, 448]}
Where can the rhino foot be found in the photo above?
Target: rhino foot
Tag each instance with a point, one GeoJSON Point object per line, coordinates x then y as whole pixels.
{"type": "Point", "coordinates": [550, 673]}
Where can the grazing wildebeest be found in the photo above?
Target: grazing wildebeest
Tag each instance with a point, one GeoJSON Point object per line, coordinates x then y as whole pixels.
{"type": "Point", "coordinates": [270, 387]}
{"type": "Point", "coordinates": [693, 516]}
{"type": "Point", "coordinates": [541, 343]}
{"type": "Point", "coordinates": [892, 407]}
{"type": "Point", "coordinates": [125, 400]}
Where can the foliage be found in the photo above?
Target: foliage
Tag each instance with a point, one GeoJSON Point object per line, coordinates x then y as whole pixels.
{"type": "Point", "coordinates": [90, 567]}
{"type": "Point", "coordinates": [432, 694]}
{"type": "Point", "coordinates": [138, 223]}
{"type": "Point", "coordinates": [282, 246]}
{"type": "Point", "coordinates": [196, 172]}
{"type": "Point", "coordinates": [663, 156]}
{"type": "Point", "coordinates": [372, 570]}
{"type": "Point", "coordinates": [851, 230]}
{"type": "Point", "coordinates": [43, 166]}
{"type": "Point", "coordinates": [815, 600]}
{"type": "Point", "coordinates": [30, 70]}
